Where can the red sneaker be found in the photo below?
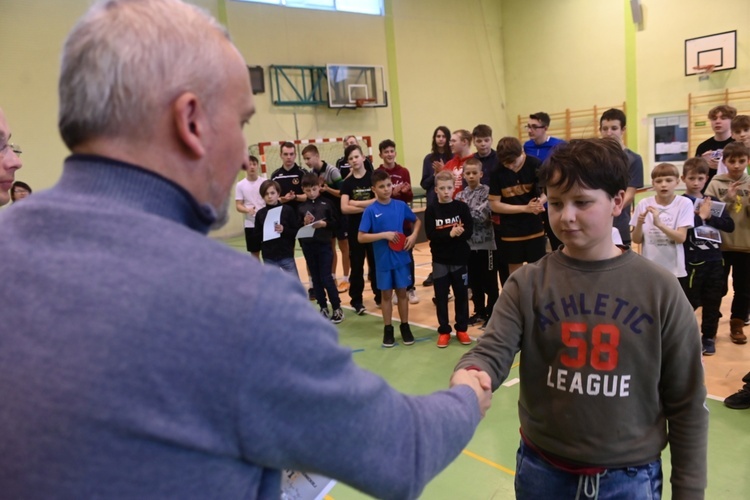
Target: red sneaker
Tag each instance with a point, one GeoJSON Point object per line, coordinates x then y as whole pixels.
{"type": "Point", "coordinates": [443, 339]}
{"type": "Point", "coordinates": [463, 337]}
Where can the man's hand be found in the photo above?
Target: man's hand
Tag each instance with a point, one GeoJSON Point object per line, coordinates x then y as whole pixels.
{"type": "Point", "coordinates": [479, 381]}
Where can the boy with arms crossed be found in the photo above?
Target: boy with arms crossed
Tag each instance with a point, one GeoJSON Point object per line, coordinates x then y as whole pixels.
{"type": "Point", "coordinates": [317, 250]}
{"type": "Point", "coordinates": [610, 370]}
{"type": "Point", "coordinates": [449, 227]}
{"type": "Point", "coordinates": [248, 201]}
{"type": "Point", "coordinates": [482, 258]}
{"type": "Point", "coordinates": [703, 284]}
{"type": "Point", "coordinates": [733, 188]}
{"type": "Point", "coordinates": [356, 196]}
{"type": "Point", "coordinates": [661, 222]}
{"type": "Point", "coordinates": [382, 225]}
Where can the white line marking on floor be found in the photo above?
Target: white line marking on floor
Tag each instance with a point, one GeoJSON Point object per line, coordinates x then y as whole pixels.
{"type": "Point", "coordinates": [511, 382]}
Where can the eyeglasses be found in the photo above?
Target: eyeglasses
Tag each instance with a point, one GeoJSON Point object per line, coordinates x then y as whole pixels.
{"type": "Point", "coordinates": [10, 147]}
{"type": "Point", "coordinates": [534, 127]}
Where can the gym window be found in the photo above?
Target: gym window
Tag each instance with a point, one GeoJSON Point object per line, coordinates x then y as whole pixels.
{"type": "Point", "coordinates": [372, 7]}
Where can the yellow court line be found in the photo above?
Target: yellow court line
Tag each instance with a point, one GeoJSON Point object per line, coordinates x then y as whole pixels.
{"type": "Point", "coordinates": [328, 497]}
{"type": "Point", "coordinates": [516, 365]}
{"type": "Point", "coordinates": [489, 462]}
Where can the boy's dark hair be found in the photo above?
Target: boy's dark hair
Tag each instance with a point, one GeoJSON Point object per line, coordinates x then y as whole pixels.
{"type": "Point", "coordinates": [20, 184]}
{"type": "Point", "coordinates": [379, 175]}
{"type": "Point", "coordinates": [253, 159]}
{"type": "Point", "coordinates": [696, 166]}
{"type": "Point", "coordinates": [740, 123]}
{"type": "Point", "coordinates": [542, 117]}
{"type": "Point", "coordinates": [590, 163]}
{"type": "Point", "coordinates": [508, 150]}
{"type": "Point", "coordinates": [266, 185]}
{"type": "Point", "coordinates": [447, 133]}
{"type": "Point", "coordinates": [725, 110]}
{"type": "Point", "coordinates": [664, 170]}
{"type": "Point", "coordinates": [349, 150]}
{"type": "Point", "coordinates": [286, 145]}
{"type": "Point", "coordinates": [474, 161]}
{"type": "Point", "coordinates": [388, 143]}
{"type": "Point", "coordinates": [311, 148]}
{"type": "Point", "coordinates": [310, 179]}
{"type": "Point", "coordinates": [481, 130]}
{"type": "Point", "coordinates": [613, 114]}
{"type": "Point", "coordinates": [735, 150]}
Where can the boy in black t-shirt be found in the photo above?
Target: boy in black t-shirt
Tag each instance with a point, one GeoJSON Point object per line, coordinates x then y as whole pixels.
{"type": "Point", "coordinates": [711, 149]}
{"type": "Point", "coordinates": [448, 226]}
{"type": "Point", "coordinates": [356, 195]}
{"type": "Point", "coordinates": [515, 194]}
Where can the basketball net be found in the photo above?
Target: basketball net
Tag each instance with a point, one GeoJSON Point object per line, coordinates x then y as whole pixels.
{"type": "Point", "coordinates": [704, 72]}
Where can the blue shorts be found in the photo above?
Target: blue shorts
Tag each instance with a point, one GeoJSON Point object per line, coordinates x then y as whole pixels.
{"type": "Point", "coordinates": [393, 279]}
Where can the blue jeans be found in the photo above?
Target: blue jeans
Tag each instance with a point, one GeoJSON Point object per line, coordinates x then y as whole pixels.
{"type": "Point", "coordinates": [287, 265]}
{"type": "Point", "coordinates": [536, 478]}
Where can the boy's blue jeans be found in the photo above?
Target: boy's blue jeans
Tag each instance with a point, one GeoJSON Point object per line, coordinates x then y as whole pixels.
{"type": "Point", "coordinates": [536, 478]}
{"type": "Point", "coordinates": [289, 265]}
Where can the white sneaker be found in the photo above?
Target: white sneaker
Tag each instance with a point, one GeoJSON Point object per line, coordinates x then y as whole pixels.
{"type": "Point", "coordinates": [412, 294]}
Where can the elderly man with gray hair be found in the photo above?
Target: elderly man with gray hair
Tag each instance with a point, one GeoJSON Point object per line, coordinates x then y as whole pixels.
{"type": "Point", "coordinates": [10, 160]}
{"type": "Point", "coordinates": [140, 359]}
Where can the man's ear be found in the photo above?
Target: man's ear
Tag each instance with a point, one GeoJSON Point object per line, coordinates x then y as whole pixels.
{"type": "Point", "coordinates": [618, 203]}
{"type": "Point", "coordinates": [191, 123]}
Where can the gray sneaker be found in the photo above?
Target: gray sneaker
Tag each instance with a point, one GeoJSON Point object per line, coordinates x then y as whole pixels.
{"type": "Point", "coordinates": [325, 313]}
{"type": "Point", "coordinates": [338, 316]}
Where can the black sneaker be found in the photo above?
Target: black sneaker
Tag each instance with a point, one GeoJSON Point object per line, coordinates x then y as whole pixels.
{"type": "Point", "coordinates": [388, 339]}
{"type": "Point", "coordinates": [337, 316]}
{"type": "Point", "coordinates": [476, 319]}
{"type": "Point", "coordinates": [740, 400]}
{"type": "Point", "coordinates": [325, 313]}
{"type": "Point", "coordinates": [359, 309]}
{"type": "Point", "coordinates": [428, 281]}
{"type": "Point", "coordinates": [709, 346]}
{"type": "Point", "coordinates": [406, 334]}
{"type": "Point", "coordinates": [311, 294]}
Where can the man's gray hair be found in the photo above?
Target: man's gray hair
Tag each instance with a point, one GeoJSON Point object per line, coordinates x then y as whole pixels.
{"type": "Point", "coordinates": [126, 58]}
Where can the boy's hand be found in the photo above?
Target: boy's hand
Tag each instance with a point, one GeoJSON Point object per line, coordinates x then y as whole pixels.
{"type": "Point", "coordinates": [309, 218]}
{"type": "Point", "coordinates": [437, 166]}
{"type": "Point", "coordinates": [480, 382]}
{"type": "Point", "coordinates": [732, 189]}
{"type": "Point", "coordinates": [411, 240]}
{"type": "Point", "coordinates": [642, 218]}
{"type": "Point", "coordinates": [457, 230]}
{"type": "Point", "coordinates": [290, 196]}
{"type": "Point", "coordinates": [713, 163]}
{"type": "Point", "coordinates": [251, 210]}
{"type": "Point", "coordinates": [396, 189]}
{"type": "Point", "coordinates": [318, 224]}
{"type": "Point", "coordinates": [278, 228]}
{"type": "Point", "coordinates": [655, 214]}
{"type": "Point", "coordinates": [391, 236]}
{"type": "Point", "coordinates": [535, 206]}
{"type": "Point", "coordinates": [704, 211]}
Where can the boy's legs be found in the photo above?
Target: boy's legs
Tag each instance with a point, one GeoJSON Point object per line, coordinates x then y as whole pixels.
{"type": "Point", "coordinates": [357, 256]}
{"type": "Point", "coordinates": [459, 282]}
{"type": "Point", "coordinates": [372, 272]}
{"type": "Point", "coordinates": [489, 281]}
{"type": "Point", "coordinates": [441, 282]}
{"type": "Point", "coordinates": [288, 264]}
{"type": "Point", "coordinates": [536, 478]}
{"type": "Point", "coordinates": [325, 259]}
{"type": "Point", "coordinates": [710, 283]}
{"type": "Point", "coordinates": [740, 267]}
{"type": "Point", "coordinates": [476, 280]}
{"type": "Point", "coordinates": [311, 251]}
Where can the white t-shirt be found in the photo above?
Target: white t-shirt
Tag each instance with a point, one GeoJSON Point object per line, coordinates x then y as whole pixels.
{"type": "Point", "coordinates": [248, 192]}
{"type": "Point", "coordinates": [657, 247]}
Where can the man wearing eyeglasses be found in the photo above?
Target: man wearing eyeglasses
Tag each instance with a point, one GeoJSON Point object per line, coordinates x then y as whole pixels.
{"type": "Point", "coordinates": [539, 144]}
{"type": "Point", "coordinates": [10, 160]}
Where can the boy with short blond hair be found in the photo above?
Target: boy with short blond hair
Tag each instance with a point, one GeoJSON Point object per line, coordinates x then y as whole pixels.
{"type": "Point", "coordinates": [449, 226]}
{"type": "Point", "coordinates": [482, 257]}
{"type": "Point", "coordinates": [733, 188]}
{"type": "Point", "coordinates": [660, 222]}
{"type": "Point", "coordinates": [602, 354]}
{"type": "Point", "coordinates": [703, 283]}
{"type": "Point", "coordinates": [382, 225]}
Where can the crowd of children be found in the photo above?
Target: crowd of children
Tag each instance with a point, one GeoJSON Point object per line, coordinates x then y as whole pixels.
{"type": "Point", "coordinates": [486, 217]}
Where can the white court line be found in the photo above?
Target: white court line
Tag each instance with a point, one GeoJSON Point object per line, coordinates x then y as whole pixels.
{"type": "Point", "coordinates": [715, 398]}
{"type": "Point", "coordinates": [511, 382]}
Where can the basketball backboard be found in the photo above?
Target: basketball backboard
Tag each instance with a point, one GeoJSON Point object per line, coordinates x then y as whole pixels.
{"type": "Point", "coordinates": [352, 86]}
{"type": "Point", "coordinates": [719, 50]}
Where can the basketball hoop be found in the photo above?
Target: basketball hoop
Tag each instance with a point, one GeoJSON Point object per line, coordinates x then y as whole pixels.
{"type": "Point", "coordinates": [704, 72]}
{"type": "Point", "coordinates": [360, 103]}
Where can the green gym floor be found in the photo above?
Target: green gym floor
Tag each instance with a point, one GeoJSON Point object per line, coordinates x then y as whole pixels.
{"type": "Point", "coordinates": [485, 469]}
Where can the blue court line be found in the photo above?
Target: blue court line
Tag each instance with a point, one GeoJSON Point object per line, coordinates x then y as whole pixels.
{"type": "Point", "coordinates": [357, 350]}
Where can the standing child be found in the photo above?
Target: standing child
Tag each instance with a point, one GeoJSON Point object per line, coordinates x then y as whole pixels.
{"type": "Point", "coordinates": [279, 251]}
{"type": "Point", "coordinates": [401, 180]}
{"type": "Point", "coordinates": [740, 133]}
{"type": "Point", "coordinates": [711, 149]}
{"type": "Point", "coordinates": [611, 368]}
{"type": "Point", "coordinates": [248, 201]}
{"type": "Point", "coordinates": [449, 227]}
{"type": "Point", "coordinates": [703, 283]}
{"type": "Point", "coordinates": [661, 222]}
{"type": "Point", "coordinates": [733, 188]}
{"type": "Point", "coordinates": [317, 250]}
{"type": "Point", "coordinates": [482, 258]}
{"type": "Point", "coordinates": [382, 225]}
{"type": "Point", "coordinates": [356, 195]}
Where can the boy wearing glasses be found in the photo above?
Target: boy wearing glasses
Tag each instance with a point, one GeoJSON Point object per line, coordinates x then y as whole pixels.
{"type": "Point", "coordinates": [539, 144]}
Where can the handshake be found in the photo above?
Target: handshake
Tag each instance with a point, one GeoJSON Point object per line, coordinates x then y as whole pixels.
{"type": "Point", "coordinates": [479, 381]}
